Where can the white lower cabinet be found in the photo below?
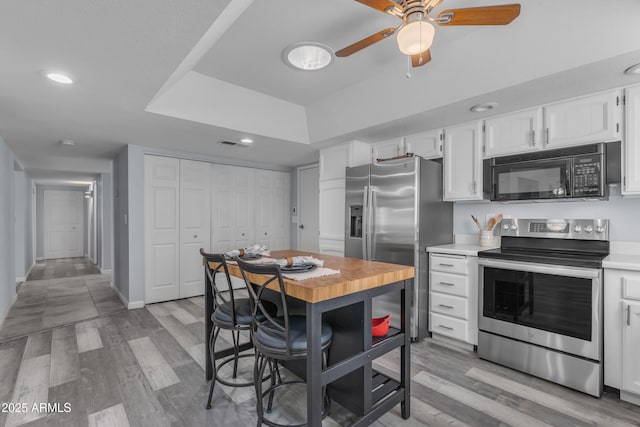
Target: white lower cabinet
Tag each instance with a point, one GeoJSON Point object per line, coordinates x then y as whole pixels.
{"type": "Point", "coordinates": [622, 332]}
{"type": "Point", "coordinates": [453, 297]}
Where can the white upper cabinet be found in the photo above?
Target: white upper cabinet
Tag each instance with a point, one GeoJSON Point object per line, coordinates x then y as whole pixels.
{"type": "Point", "coordinates": [335, 159]}
{"type": "Point", "coordinates": [427, 145]}
{"type": "Point", "coordinates": [631, 151]}
{"type": "Point", "coordinates": [388, 149]}
{"type": "Point", "coordinates": [463, 162]}
{"type": "Point", "coordinates": [513, 133]}
{"type": "Point", "coordinates": [594, 118]}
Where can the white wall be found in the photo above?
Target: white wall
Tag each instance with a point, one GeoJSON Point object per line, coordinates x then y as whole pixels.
{"type": "Point", "coordinates": [120, 225]}
{"type": "Point", "coordinates": [7, 257]}
{"type": "Point", "coordinates": [621, 212]}
{"type": "Point", "coordinates": [104, 218]}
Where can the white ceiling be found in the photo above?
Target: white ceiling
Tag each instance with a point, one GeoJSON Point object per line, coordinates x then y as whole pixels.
{"type": "Point", "coordinates": [209, 74]}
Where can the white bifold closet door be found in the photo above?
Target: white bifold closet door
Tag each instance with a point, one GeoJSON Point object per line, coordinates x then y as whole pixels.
{"type": "Point", "coordinates": [177, 222]}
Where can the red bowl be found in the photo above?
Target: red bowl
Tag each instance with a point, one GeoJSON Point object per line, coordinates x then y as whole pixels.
{"type": "Point", "coordinates": [380, 326]}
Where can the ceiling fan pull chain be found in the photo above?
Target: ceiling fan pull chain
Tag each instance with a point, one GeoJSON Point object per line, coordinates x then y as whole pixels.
{"type": "Point", "coordinates": [408, 67]}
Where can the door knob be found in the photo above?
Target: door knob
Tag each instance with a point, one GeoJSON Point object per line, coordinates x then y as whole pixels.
{"type": "Point", "coordinates": [195, 236]}
{"type": "Point", "coordinates": [301, 226]}
{"type": "Point", "coordinates": [243, 234]}
{"type": "Point", "coordinates": [265, 233]}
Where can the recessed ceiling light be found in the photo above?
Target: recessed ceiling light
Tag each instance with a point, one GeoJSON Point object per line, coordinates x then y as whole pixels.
{"type": "Point", "coordinates": [308, 56]}
{"type": "Point", "coordinates": [633, 70]}
{"type": "Point", "coordinates": [59, 78]}
{"type": "Point", "coordinates": [67, 142]}
{"type": "Point", "coordinates": [486, 106]}
{"type": "Point", "coordinates": [246, 141]}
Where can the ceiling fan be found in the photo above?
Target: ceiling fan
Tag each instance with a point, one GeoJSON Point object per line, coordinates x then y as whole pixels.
{"type": "Point", "coordinates": [415, 33]}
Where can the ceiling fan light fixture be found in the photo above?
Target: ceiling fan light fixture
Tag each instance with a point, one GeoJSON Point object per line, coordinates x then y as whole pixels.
{"type": "Point", "coordinates": [308, 56]}
{"type": "Point", "coordinates": [415, 37]}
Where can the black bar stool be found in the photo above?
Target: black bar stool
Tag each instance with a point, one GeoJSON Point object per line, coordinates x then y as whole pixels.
{"type": "Point", "coordinates": [229, 313]}
{"type": "Point", "coordinates": [276, 339]}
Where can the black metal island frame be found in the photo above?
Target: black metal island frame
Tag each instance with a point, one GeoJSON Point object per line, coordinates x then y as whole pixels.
{"type": "Point", "coordinates": [345, 301]}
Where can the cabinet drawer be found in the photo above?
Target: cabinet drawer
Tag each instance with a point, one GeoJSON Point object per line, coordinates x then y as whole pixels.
{"type": "Point", "coordinates": [631, 285]}
{"type": "Point", "coordinates": [445, 325]}
{"type": "Point", "coordinates": [453, 284]}
{"type": "Point", "coordinates": [449, 263]}
{"type": "Point", "coordinates": [449, 305]}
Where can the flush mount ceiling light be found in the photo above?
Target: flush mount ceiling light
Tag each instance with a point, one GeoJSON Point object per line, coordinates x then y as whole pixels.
{"type": "Point", "coordinates": [307, 56]}
{"type": "Point", "coordinates": [67, 143]}
{"type": "Point", "coordinates": [246, 141]}
{"type": "Point", "coordinates": [633, 70]}
{"type": "Point", "coordinates": [486, 106]}
{"type": "Point", "coordinates": [58, 77]}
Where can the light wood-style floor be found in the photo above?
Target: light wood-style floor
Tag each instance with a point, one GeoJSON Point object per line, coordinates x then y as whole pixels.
{"type": "Point", "coordinates": [145, 368]}
{"type": "Point", "coordinates": [60, 292]}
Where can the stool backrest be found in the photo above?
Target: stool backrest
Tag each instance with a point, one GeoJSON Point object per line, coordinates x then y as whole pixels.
{"type": "Point", "coordinates": [219, 266]}
{"type": "Point", "coordinates": [258, 277]}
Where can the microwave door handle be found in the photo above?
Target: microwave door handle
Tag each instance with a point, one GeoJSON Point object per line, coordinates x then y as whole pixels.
{"type": "Point", "coordinates": [569, 186]}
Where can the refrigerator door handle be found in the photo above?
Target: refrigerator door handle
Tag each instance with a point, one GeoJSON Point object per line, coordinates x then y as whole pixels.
{"type": "Point", "coordinates": [365, 222]}
{"type": "Point", "coordinates": [371, 224]}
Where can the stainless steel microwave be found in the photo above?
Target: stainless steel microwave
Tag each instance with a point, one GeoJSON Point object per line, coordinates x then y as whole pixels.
{"type": "Point", "coordinates": [567, 173]}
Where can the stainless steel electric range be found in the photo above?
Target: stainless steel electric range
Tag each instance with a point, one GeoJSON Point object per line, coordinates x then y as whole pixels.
{"type": "Point", "coordinates": [541, 300]}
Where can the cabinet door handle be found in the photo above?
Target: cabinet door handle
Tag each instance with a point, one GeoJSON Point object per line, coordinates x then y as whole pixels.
{"type": "Point", "coordinates": [533, 138]}
{"type": "Point", "coordinates": [447, 284]}
{"type": "Point", "coordinates": [445, 306]}
{"type": "Point", "coordinates": [445, 265]}
{"type": "Point", "coordinates": [445, 327]}
{"type": "Point", "coordinates": [628, 315]}
{"type": "Point", "coordinates": [546, 136]}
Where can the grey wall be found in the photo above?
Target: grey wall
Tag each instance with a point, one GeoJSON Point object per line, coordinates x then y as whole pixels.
{"type": "Point", "coordinates": [120, 226]}
{"type": "Point", "coordinates": [104, 217]}
{"type": "Point", "coordinates": [7, 257]}
{"type": "Point", "coordinates": [622, 213]}
{"type": "Point", "coordinates": [40, 216]}
{"type": "Point", "coordinates": [23, 247]}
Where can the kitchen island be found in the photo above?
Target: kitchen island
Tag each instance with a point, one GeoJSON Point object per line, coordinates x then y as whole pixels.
{"type": "Point", "coordinates": [345, 301]}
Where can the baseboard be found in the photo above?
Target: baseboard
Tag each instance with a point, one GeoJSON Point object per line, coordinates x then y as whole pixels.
{"type": "Point", "coordinates": [39, 259]}
{"type": "Point", "coordinates": [130, 305]}
{"type": "Point", "coordinates": [21, 279]}
{"type": "Point", "coordinates": [105, 270]}
{"type": "Point", "coordinates": [4, 317]}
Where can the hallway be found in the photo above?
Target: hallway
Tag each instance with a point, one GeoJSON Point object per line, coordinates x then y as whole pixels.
{"type": "Point", "coordinates": [60, 292]}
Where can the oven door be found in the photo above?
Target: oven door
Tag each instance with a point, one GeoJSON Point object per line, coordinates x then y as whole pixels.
{"type": "Point", "coordinates": [552, 306]}
{"type": "Point", "coordinates": [542, 179]}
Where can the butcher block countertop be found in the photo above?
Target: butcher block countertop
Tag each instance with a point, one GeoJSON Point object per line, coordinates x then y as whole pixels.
{"type": "Point", "coordinates": [355, 275]}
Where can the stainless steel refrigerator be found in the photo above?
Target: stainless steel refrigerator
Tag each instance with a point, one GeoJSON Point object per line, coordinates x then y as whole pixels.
{"type": "Point", "coordinates": [394, 210]}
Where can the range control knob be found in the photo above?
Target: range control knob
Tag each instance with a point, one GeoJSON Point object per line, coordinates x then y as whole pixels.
{"type": "Point", "coordinates": [577, 228]}
{"type": "Point", "coordinates": [505, 227]}
{"type": "Point", "coordinates": [588, 229]}
{"type": "Point", "coordinates": [514, 227]}
{"type": "Point", "coordinates": [599, 229]}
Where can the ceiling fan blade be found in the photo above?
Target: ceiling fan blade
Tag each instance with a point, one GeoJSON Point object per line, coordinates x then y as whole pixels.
{"type": "Point", "coordinates": [421, 58]}
{"type": "Point", "coordinates": [358, 46]}
{"type": "Point", "coordinates": [381, 5]}
{"type": "Point", "coordinates": [488, 15]}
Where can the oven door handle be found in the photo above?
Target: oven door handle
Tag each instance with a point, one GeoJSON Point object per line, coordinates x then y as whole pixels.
{"type": "Point", "coordinates": [558, 270]}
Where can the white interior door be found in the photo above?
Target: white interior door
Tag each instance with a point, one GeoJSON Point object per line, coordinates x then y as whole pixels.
{"type": "Point", "coordinates": [194, 225]}
{"type": "Point", "coordinates": [308, 208]}
{"type": "Point", "coordinates": [162, 228]}
{"type": "Point", "coordinates": [232, 215]}
{"type": "Point", "coordinates": [63, 224]}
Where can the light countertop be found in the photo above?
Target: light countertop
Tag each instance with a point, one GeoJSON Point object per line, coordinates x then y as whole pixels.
{"type": "Point", "coordinates": [623, 256]}
{"type": "Point", "coordinates": [464, 244]}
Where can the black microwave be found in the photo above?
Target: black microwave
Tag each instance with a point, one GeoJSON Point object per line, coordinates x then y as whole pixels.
{"type": "Point", "coordinates": [575, 172]}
